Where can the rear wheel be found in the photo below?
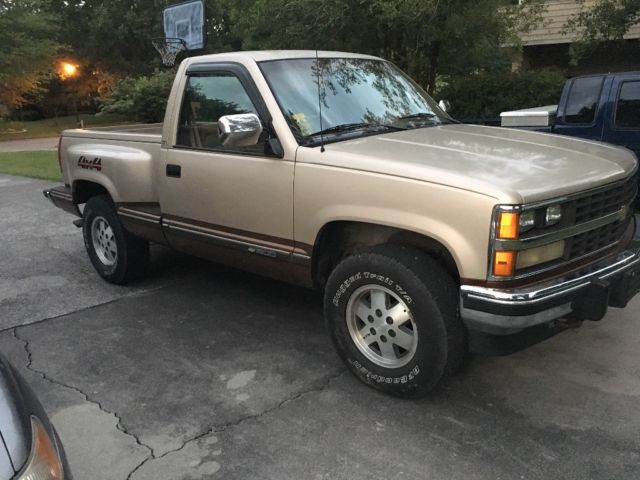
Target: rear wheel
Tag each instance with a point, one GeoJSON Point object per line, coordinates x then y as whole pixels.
{"type": "Point", "coordinates": [117, 256]}
{"type": "Point", "coordinates": [392, 313]}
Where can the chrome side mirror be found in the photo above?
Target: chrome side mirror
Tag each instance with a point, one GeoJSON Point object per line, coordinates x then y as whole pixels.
{"type": "Point", "coordinates": [444, 105]}
{"type": "Point", "coordinates": [241, 130]}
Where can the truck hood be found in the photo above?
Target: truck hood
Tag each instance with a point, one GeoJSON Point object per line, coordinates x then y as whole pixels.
{"type": "Point", "coordinates": [513, 166]}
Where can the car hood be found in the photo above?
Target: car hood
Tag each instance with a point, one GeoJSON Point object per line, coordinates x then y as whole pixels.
{"type": "Point", "coordinates": [513, 166]}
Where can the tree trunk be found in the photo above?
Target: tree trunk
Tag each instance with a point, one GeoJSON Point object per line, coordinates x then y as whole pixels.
{"type": "Point", "coordinates": [434, 57]}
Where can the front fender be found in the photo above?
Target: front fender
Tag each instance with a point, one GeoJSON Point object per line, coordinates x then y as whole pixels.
{"type": "Point", "coordinates": [458, 219]}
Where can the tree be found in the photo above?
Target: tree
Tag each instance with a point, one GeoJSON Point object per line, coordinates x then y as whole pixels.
{"type": "Point", "coordinates": [115, 36]}
{"type": "Point", "coordinates": [424, 37]}
{"type": "Point", "coordinates": [140, 98]}
{"type": "Point", "coordinates": [455, 37]}
{"type": "Point", "coordinates": [27, 36]}
{"type": "Point", "coordinates": [605, 20]}
{"type": "Point", "coordinates": [112, 36]}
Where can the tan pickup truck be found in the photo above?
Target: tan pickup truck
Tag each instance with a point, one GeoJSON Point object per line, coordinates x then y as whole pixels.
{"type": "Point", "coordinates": [429, 238]}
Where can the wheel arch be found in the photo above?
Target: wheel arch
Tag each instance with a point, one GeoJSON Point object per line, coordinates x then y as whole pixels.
{"type": "Point", "coordinates": [83, 190]}
{"type": "Point", "coordinates": [340, 238]}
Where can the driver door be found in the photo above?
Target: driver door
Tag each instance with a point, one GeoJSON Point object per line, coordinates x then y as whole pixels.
{"type": "Point", "coordinates": [219, 201]}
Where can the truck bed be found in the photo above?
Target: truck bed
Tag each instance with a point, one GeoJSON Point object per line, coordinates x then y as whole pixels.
{"type": "Point", "coordinates": [140, 132]}
{"type": "Point", "coordinates": [123, 155]}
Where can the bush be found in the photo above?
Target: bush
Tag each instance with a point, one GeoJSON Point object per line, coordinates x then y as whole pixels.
{"type": "Point", "coordinates": [26, 114]}
{"type": "Point", "coordinates": [142, 99]}
{"type": "Point", "coordinates": [485, 95]}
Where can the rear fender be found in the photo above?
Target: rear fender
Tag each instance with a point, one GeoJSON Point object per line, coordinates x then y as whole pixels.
{"type": "Point", "coordinates": [126, 173]}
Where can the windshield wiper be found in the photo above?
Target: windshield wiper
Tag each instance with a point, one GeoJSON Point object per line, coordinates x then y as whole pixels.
{"type": "Point", "coordinates": [348, 127]}
{"type": "Point", "coordinates": [419, 115]}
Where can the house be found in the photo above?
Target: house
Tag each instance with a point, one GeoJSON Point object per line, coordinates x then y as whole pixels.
{"type": "Point", "coordinates": [548, 45]}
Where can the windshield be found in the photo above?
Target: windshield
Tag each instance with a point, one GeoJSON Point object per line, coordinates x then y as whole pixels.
{"type": "Point", "coordinates": [357, 96]}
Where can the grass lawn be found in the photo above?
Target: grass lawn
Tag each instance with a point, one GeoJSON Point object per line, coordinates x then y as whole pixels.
{"type": "Point", "coordinates": [51, 127]}
{"type": "Point", "coordinates": [42, 165]}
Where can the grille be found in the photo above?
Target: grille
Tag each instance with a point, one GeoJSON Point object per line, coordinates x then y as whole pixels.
{"type": "Point", "coordinates": [602, 240]}
{"type": "Point", "coordinates": [597, 239]}
{"type": "Point", "coordinates": [597, 205]}
{"type": "Point", "coordinates": [605, 201]}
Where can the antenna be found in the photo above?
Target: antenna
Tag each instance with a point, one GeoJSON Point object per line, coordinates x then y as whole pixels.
{"type": "Point", "coordinates": [320, 104]}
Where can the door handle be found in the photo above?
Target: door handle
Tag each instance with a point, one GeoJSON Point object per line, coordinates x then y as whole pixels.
{"type": "Point", "coordinates": [174, 170]}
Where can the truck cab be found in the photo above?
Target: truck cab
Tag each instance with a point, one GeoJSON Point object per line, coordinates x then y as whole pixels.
{"type": "Point", "coordinates": [603, 107]}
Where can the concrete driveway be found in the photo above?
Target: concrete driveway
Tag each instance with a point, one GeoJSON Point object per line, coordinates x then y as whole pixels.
{"type": "Point", "coordinates": [205, 372]}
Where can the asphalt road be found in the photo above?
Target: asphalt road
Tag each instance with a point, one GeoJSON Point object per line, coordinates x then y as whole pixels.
{"type": "Point", "coordinates": [203, 372]}
{"type": "Point", "coordinates": [50, 143]}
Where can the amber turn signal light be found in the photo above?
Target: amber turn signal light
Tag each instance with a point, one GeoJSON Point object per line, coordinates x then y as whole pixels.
{"type": "Point", "coordinates": [508, 225]}
{"type": "Point", "coordinates": [44, 462]}
{"type": "Point", "coordinates": [504, 264]}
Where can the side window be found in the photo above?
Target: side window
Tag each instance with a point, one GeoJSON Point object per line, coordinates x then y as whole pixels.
{"type": "Point", "coordinates": [583, 100]}
{"type": "Point", "coordinates": [628, 108]}
{"type": "Point", "coordinates": [206, 99]}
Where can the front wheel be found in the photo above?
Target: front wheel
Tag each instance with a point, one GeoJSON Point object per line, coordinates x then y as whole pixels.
{"type": "Point", "coordinates": [117, 256]}
{"type": "Point", "coordinates": [392, 313]}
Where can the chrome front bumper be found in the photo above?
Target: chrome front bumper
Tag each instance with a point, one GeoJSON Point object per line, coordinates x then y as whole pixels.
{"type": "Point", "coordinates": [584, 296]}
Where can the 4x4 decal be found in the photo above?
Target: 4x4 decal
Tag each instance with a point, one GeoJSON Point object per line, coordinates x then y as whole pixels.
{"type": "Point", "coordinates": [95, 164]}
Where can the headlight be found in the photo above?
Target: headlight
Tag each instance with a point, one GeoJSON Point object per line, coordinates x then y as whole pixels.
{"type": "Point", "coordinates": [509, 248]}
{"type": "Point", "coordinates": [527, 221]}
{"type": "Point", "coordinates": [43, 463]}
{"type": "Point", "coordinates": [553, 215]}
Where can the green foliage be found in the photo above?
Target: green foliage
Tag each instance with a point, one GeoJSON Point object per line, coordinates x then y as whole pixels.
{"type": "Point", "coordinates": [485, 95]}
{"type": "Point", "coordinates": [42, 165]}
{"type": "Point", "coordinates": [113, 35]}
{"type": "Point", "coordinates": [142, 98]}
{"type": "Point", "coordinates": [27, 36]}
{"type": "Point", "coordinates": [111, 40]}
{"type": "Point", "coordinates": [424, 37]}
{"type": "Point", "coordinates": [606, 20]}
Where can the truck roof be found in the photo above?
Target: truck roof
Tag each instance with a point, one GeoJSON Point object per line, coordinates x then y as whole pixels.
{"type": "Point", "coordinates": [266, 55]}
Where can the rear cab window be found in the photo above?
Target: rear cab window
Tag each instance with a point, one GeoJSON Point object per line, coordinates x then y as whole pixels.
{"type": "Point", "coordinates": [628, 106]}
{"type": "Point", "coordinates": [583, 100]}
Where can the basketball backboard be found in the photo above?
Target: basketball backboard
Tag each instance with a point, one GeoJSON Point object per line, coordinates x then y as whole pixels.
{"type": "Point", "coordinates": [186, 21]}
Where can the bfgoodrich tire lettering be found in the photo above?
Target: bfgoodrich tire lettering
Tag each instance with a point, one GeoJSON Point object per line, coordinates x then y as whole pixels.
{"type": "Point", "coordinates": [409, 342]}
{"type": "Point", "coordinates": [117, 256]}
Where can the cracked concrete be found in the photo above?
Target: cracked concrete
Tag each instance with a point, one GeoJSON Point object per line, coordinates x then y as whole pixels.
{"type": "Point", "coordinates": [112, 451]}
{"type": "Point", "coordinates": [78, 410]}
{"type": "Point", "coordinates": [189, 355]}
{"type": "Point", "coordinates": [202, 372]}
{"type": "Point", "coordinates": [150, 467]}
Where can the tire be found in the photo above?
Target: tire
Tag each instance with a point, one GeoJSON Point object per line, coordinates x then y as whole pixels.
{"type": "Point", "coordinates": [117, 256]}
{"type": "Point", "coordinates": [412, 338]}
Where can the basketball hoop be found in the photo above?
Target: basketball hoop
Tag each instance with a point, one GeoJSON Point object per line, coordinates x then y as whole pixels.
{"type": "Point", "coordinates": [184, 30]}
{"type": "Point", "coordinates": [169, 48]}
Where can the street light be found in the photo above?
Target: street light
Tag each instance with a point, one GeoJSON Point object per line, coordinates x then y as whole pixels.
{"type": "Point", "coordinates": [67, 70]}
